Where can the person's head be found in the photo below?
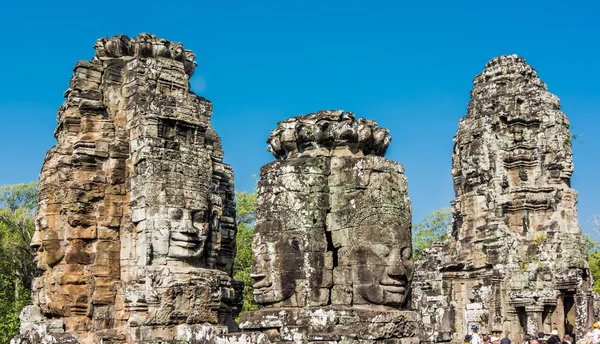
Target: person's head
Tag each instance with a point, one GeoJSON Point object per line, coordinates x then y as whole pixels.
{"type": "Point", "coordinates": [495, 340]}
{"type": "Point", "coordinates": [596, 325]}
{"type": "Point", "coordinates": [552, 340]}
{"type": "Point", "coordinates": [486, 338]}
{"type": "Point", "coordinates": [505, 341]}
{"type": "Point", "coordinates": [468, 338]}
{"type": "Point", "coordinates": [534, 340]}
{"type": "Point", "coordinates": [567, 338]}
{"type": "Point", "coordinates": [541, 335]}
{"type": "Point", "coordinates": [474, 328]}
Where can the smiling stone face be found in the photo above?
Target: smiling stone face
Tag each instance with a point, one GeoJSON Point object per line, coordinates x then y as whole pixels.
{"type": "Point", "coordinates": [370, 224]}
{"type": "Point", "coordinates": [189, 230]}
{"type": "Point", "coordinates": [381, 267]}
{"type": "Point", "coordinates": [289, 242]}
{"type": "Point", "coordinates": [277, 266]}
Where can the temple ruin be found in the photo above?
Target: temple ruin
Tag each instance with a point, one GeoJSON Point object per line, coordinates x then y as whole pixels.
{"type": "Point", "coordinates": [516, 260]}
{"type": "Point", "coordinates": [135, 224]}
{"type": "Point", "coordinates": [332, 237]}
{"type": "Point", "coordinates": [135, 228]}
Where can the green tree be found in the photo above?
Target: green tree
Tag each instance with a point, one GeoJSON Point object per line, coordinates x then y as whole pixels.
{"type": "Point", "coordinates": [593, 250]}
{"type": "Point", "coordinates": [17, 265]}
{"type": "Point", "coordinates": [245, 213]}
{"type": "Point", "coordinates": [430, 229]}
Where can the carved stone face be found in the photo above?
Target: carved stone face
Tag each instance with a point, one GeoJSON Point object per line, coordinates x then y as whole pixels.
{"type": "Point", "coordinates": [180, 206]}
{"type": "Point", "coordinates": [382, 266]}
{"type": "Point", "coordinates": [49, 248]}
{"type": "Point", "coordinates": [188, 233]}
{"type": "Point", "coordinates": [277, 265]}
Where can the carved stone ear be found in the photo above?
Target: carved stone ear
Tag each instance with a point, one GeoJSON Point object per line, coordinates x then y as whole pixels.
{"type": "Point", "coordinates": [200, 216]}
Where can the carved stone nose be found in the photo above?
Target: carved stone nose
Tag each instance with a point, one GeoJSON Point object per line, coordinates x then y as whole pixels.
{"type": "Point", "coordinates": [395, 266]}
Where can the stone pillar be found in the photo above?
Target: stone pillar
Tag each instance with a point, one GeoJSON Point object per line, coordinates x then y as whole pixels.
{"type": "Point", "coordinates": [534, 319]}
{"type": "Point", "coordinates": [584, 313]}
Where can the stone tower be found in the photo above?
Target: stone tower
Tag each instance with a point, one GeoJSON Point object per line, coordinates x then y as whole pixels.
{"type": "Point", "coordinates": [135, 226]}
{"type": "Point", "coordinates": [332, 238]}
{"type": "Point", "coordinates": [516, 260]}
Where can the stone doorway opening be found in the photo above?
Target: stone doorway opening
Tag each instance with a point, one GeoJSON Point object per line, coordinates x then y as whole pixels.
{"type": "Point", "coordinates": [569, 311]}
{"type": "Point", "coordinates": [522, 315]}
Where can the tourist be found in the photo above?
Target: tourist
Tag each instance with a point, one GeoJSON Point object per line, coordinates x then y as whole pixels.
{"type": "Point", "coordinates": [552, 340]}
{"type": "Point", "coordinates": [486, 339]}
{"type": "Point", "coordinates": [495, 340]}
{"type": "Point", "coordinates": [596, 333]}
{"type": "Point", "coordinates": [542, 337]}
{"type": "Point", "coordinates": [468, 339]}
{"type": "Point", "coordinates": [505, 341]}
{"type": "Point", "coordinates": [567, 339]}
{"type": "Point", "coordinates": [554, 334]}
{"type": "Point", "coordinates": [475, 334]}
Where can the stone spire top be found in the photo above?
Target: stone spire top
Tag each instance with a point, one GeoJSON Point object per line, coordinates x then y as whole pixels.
{"type": "Point", "coordinates": [327, 133]}
{"type": "Point", "coordinates": [516, 261]}
{"type": "Point", "coordinates": [144, 45]}
{"type": "Point", "coordinates": [506, 66]}
{"type": "Point", "coordinates": [509, 87]}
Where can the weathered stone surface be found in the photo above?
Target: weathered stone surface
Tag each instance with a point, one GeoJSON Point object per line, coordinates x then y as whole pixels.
{"type": "Point", "coordinates": [325, 133]}
{"type": "Point", "coordinates": [516, 260]}
{"type": "Point", "coordinates": [135, 228]}
{"type": "Point", "coordinates": [332, 240]}
{"type": "Point", "coordinates": [335, 324]}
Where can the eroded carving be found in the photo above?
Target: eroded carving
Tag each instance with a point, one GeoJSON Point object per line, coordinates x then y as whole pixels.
{"type": "Point", "coordinates": [515, 240]}
{"type": "Point", "coordinates": [332, 237]}
{"type": "Point", "coordinates": [135, 227]}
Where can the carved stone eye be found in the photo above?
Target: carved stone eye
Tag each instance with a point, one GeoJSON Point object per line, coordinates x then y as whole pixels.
{"type": "Point", "coordinates": [177, 214]}
{"type": "Point", "coordinates": [200, 221]}
{"type": "Point", "coordinates": [199, 216]}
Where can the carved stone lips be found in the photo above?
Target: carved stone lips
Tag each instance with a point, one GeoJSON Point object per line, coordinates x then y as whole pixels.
{"type": "Point", "coordinates": [394, 289]}
{"type": "Point", "coordinates": [260, 283]}
{"type": "Point", "coordinates": [186, 240]}
{"type": "Point", "coordinates": [394, 286]}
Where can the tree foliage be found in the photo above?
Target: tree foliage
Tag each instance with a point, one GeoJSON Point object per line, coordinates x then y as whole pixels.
{"type": "Point", "coordinates": [245, 213]}
{"type": "Point", "coordinates": [430, 229]}
{"type": "Point", "coordinates": [17, 265]}
{"type": "Point", "coordinates": [593, 250]}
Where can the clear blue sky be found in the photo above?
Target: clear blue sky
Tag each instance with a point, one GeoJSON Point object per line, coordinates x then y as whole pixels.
{"type": "Point", "coordinates": [406, 65]}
